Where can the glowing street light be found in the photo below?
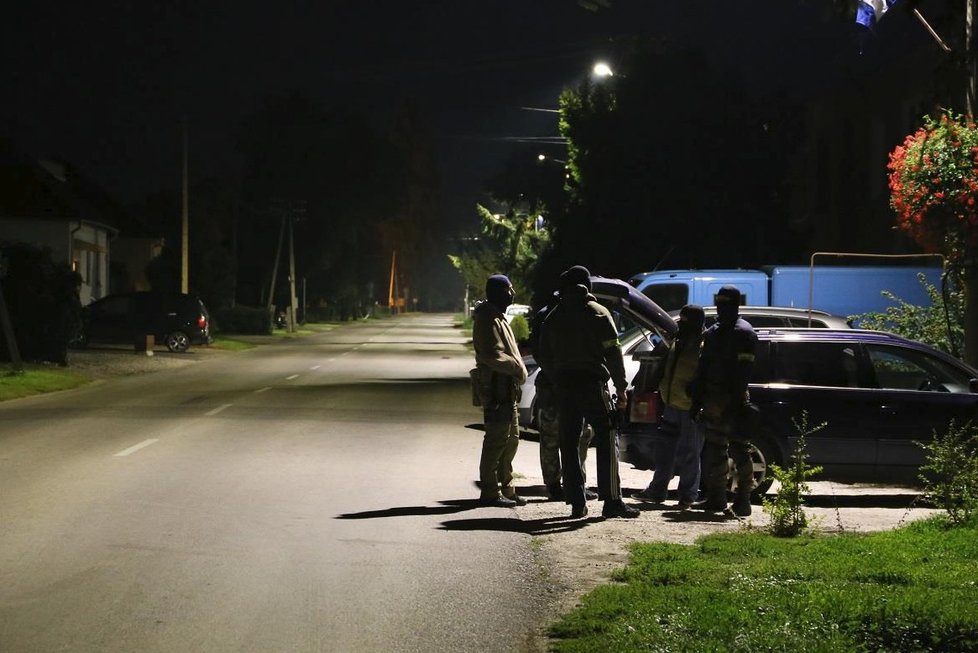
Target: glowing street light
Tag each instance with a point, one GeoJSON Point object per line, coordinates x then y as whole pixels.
{"type": "Point", "coordinates": [601, 70]}
{"type": "Point", "coordinates": [544, 157]}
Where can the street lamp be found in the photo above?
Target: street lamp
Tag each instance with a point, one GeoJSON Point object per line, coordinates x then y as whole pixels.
{"type": "Point", "coordinates": [602, 70]}
{"type": "Point", "coordinates": [544, 157]}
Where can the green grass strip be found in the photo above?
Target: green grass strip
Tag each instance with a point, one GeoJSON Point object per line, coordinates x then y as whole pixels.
{"type": "Point", "coordinates": [911, 589]}
{"type": "Point", "coordinates": [34, 381]}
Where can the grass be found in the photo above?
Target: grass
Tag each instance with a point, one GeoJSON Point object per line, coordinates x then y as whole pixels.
{"type": "Point", "coordinates": [911, 589]}
{"type": "Point", "coordinates": [230, 344]}
{"type": "Point", "coordinates": [37, 379]}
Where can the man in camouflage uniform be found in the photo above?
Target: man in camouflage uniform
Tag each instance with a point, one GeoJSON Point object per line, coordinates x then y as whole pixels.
{"type": "Point", "coordinates": [720, 398]}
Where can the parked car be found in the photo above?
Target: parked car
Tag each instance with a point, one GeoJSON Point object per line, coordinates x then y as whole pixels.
{"type": "Point", "coordinates": [175, 320]}
{"type": "Point", "coordinates": [780, 316]}
{"type": "Point", "coordinates": [878, 394]}
{"type": "Point", "coordinates": [641, 325]}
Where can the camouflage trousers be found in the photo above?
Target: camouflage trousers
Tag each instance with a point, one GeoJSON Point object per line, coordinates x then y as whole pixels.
{"type": "Point", "coordinates": [550, 443]}
{"type": "Point", "coordinates": [719, 450]}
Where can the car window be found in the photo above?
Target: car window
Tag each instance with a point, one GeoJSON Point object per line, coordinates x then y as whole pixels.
{"type": "Point", "coordinates": [909, 369]}
{"type": "Point", "coordinates": [670, 296]}
{"type": "Point", "coordinates": [803, 322]}
{"type": "Point", "coordinates": [112, 307]}
{"type": "Point", "coordinates": [830, 364]}
{"type": "Point", "coordinates": [763, 321]}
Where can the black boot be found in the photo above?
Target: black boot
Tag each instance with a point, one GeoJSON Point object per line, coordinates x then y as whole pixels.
{"type": "Point", "coordinates": [741, 505]}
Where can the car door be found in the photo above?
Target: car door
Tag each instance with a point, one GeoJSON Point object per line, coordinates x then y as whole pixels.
{"type": "Point", "coordinates": [821, 379]}
{"type": "Point", "coordinates": [918, 393]}
{"type": "Point", "coordinates": [109, 319]}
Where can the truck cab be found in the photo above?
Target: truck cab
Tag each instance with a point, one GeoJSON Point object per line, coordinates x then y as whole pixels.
{"type": "Point", "coordinates": [673, 289]}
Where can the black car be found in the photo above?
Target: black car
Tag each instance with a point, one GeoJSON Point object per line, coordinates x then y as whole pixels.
{"type": "Point", "coordinates": [877, 393]}
{"type": "Point", "coordinates": [176, 320]}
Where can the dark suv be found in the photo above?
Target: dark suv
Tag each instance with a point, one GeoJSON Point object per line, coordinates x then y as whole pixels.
{"type": "Point", "coordinates": [878, 394]}
{"type": "Point", "coordinates": [175, 320]}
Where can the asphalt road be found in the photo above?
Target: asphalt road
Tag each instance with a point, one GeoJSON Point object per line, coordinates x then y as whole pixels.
{"type": "Point", "coordinates": [310, 496]}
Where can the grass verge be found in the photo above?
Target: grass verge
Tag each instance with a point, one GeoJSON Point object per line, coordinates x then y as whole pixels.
{"type": "Point", "coordinates": [911, 589]}
{"type": "Point", "coordinates": [37, 379]}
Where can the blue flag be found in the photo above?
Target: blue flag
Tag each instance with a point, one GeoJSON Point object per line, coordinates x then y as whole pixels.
{"type": "Point", "coordinates": [870, 11]}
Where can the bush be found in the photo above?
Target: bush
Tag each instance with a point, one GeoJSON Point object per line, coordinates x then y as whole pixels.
{"type": "Point", "coordinates": [950, 475]}
{"type": "Point", "coordinates": [243, 320]}
{"type": "Point", "coordinates": [788, 519]}
{"type": "Point", "coordinates": [521, 328]}
{"type": "Point", "coordinates": [940, 325]}
{"type": "Point", "coordinates": [42, 299]}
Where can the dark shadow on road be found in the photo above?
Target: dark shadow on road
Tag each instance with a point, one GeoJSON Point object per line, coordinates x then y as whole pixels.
{"type": "Point", "coordinates": [901, 500]}
{"type": "Point", "coordinates": [517, 525]}
{"type": "Point", "coordinates": [446, 508]}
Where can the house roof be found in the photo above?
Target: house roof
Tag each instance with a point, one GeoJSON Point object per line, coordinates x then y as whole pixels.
{"type": "Point", "coordinates": [54, 190]}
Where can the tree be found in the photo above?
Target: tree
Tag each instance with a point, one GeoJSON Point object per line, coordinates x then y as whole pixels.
{"type": "Point", "coordinates": [511, 243]}
{"type": "Point", "coordinates": [934, 191]}
{"type": "Point", "coordinates": [348, 176]}
{"type": "Point", "coordinates": [648, 150]}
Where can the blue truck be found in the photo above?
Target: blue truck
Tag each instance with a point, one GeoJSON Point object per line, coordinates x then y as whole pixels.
{"type": "Point", "coordinates": [840, 290]}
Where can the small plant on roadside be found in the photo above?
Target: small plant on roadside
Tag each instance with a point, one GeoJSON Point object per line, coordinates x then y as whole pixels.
{"type": "Point", "coordinates": [788, 518]}
{"type": "Point", "coordinates": [950, 475]}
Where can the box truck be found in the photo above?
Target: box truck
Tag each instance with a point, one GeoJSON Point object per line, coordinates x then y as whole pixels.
{"type": "Point", "coordinates": [840, 290]}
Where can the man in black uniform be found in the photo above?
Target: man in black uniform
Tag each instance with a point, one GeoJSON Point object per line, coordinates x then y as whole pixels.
{"type": "Point", "coordinates": [720, 398]}
{"type": "Point", "coordinates": [579, 350]}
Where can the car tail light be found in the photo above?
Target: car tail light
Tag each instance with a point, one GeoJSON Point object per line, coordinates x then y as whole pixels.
{"type": "Point", "coordinates": [202, 321]}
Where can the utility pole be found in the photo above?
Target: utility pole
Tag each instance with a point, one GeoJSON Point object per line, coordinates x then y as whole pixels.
{"type": "Point", "coordinates": [185, 221]}
{"type": "Point", "coordinates": [278, 252]}
{"type": "Point", "coordinates": [292, 299]}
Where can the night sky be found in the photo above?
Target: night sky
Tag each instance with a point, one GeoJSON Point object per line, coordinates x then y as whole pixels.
{"type": "Point", "coordinates": [105, 84]}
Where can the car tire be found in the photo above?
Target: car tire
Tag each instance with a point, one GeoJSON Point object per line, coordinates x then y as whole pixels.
{"type": "Point", "coordinates": [762, 453]}
{"type": "Point", "coordinates": [177, 342]}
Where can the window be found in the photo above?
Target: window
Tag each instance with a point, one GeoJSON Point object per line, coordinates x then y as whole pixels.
{"type": "Point", "coordinates": [897, 368]}
{"type": "Point", "coordinates": [670, 296]}
{"type": "Point", "coordinates": [829, 364]}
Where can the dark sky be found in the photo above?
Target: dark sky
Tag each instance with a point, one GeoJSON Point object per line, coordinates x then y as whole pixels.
{"type": "Point", "coordinates": [105, 84]}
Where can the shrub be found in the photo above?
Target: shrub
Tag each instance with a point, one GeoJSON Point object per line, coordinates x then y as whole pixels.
{"type": "Point", "coordinates": [788, 519]}
{"type": "Point", "coordinates": [940, 325]}
{"type": "Point", "coordinates": [521, 328]}
{"type": "Point", "coordinates": [950, 475]}
{"type": "Point", "coordinates": [42, 299]}
{"type": "Point", "coordinates": [245, 320]}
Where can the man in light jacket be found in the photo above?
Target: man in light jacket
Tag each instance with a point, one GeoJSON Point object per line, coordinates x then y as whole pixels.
{"type": "Point", "coordinates": [500, 374]}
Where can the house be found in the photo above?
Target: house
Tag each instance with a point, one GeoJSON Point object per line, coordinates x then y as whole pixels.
{"type": "Point", "coordinates": [47, 203]}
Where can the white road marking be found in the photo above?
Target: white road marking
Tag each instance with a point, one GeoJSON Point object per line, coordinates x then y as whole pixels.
{"type": "Point", "coordinates": [265, 389]}
{"type": "Point", "coordinates": [215, 411]}
{"type": "Point", "coordinates": [294, 376]}
{"type": "Point", "coordinates": [136, 447]}
{"type": "Point", "coordinates": [314, 367]}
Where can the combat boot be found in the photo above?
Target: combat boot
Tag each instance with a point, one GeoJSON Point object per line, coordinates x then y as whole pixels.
{"type": "Point", "coordinates": [741, 505]}
{"type": "Point", "coordinates": [711, 505]}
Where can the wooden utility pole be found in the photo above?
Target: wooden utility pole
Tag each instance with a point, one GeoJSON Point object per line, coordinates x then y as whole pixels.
{"type": "Point", "coordinates": [185, 220]}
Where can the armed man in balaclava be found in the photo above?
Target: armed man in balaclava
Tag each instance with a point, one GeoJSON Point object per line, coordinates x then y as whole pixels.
{"type": "Point", "coordinates": [500, 373]}
{"type": "Point", "coordinates": [579, 349]}
{"type": "Point", "coordinates": [719, 390]}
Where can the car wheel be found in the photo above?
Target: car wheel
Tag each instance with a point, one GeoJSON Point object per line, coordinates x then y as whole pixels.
{"type": "Point", "coordinates": [177, 342]}
{"type": "Point", "coordinates": [762, 454]}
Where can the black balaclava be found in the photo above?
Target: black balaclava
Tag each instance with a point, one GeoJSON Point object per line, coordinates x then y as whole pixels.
{"type": "Point", "coordinates": [691, 319]}
{"type": "Point", "coordinates": [728, 304]}
{"type": "Point", "coordinates": [498, 291]}
{"type": "Point", "coordinates": [577, 275]}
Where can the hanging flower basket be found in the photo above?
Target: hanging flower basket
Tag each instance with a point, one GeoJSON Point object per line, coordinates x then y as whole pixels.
{"type": "Point", "coordinates": [934, 185]}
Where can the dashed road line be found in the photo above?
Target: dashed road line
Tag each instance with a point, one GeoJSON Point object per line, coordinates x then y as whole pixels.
{"type": "Point", "coordinates": [265, 389]}
{"type": "Point", "coordinates": [294, 376]}
{"type": "Point", "coordinates": [215, 411]}
{"type": "Point", "coordinates": [136, 447]}
{"type": "Point", "coordinates": [314, 367]}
